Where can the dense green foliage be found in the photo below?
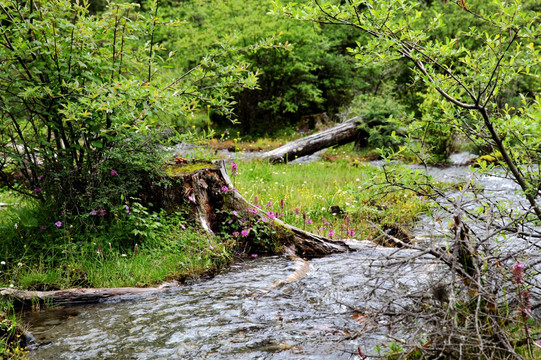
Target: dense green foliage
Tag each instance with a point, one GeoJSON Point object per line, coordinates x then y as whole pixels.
{"type": "Point", "coordinates": [298, 79]}
{"type": "Point", "coordinates": [86, 86]}
{"type": "Point", "coordinates": [76, 89]}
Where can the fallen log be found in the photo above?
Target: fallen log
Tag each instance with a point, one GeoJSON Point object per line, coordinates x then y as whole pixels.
{"type": "Point", "coordinates": [207, 189]}
{"type": "Point", "coordinates": [36, 299]}
{"type": "Point", "coordinates": [340, 134]}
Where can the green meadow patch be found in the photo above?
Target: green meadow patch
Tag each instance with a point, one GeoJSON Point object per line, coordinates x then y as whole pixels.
{"type": "Point", "coordinates": [342, 198]}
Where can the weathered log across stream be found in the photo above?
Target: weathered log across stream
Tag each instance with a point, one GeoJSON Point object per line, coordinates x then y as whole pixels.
{"type": "Point", "coordinates": [340, 134]}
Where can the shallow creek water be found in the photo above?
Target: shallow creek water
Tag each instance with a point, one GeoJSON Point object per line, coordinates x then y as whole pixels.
{"type": "Point", "coordinates": [237, 315]}
{"type": "Point", "coordinates": [234, 315]}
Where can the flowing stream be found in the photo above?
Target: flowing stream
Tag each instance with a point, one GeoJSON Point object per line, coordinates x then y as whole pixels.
{"type": "Point", "coordinates": [239, 315]}
{"type": "Point", "coordinates": [235, 315]}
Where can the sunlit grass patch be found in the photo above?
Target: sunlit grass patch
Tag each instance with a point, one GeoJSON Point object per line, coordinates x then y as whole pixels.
{"type": "Point", "coordinates": [344, 198]}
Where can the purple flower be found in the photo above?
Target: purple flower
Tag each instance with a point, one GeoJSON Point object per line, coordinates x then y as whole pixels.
{"type": "Point", "coordinates": [282, 204]}
{"type": "Point", "coordinates": [103, 212]}
{"type": "Point", "coordinates": [42, 227]}
{"type": "Point", "coordinates": [40, 177]}
{"type": "Point", "coordinates": [331, 233]}
{"type": "Point", "coordinates": [38, 190]}
{"type": "Point", "coordinates": [191, 198]}
{"type": "Point", "coordinates": [351, 232]}
{"type": "Point", "coordinates": [309, 221]}
{"type": "Point", "coordinates": [58, 224]}
{"type": "Point", "coordinates": [93, 213]}
{"type": "Point", "coordinates": [271, 214]}
{"type": "Point", "coordinates": [183, 226]}
{"type": "Point", "coordinates": [421, 197]}
{"type": "Point", "coordinates": [269, 205]}
{"type": "Point", "coordinates": [256, 200]}
{"type": "Point", "coordinates": [518, 273]}
{"type": "Point", "coordinates": [235, 213]}
{"type": "Point", "coordinates": [244, 233]}
{"type": "Point", "coordinates": [252, 210]}
{"type": "Point", "coordinates": [254, 255]}
{"type": "Point", "coordinates": [236, 233]}
{"type": "Point", "coordinates": [296, 211]}
{"type": "Point", "coordinates": [224, 188]}
{"type": "Point", "coordinates": [127, 209]}
{"type": "Point", "coordinates": [234, 169]}
{"type": "Point", "coordinates": [114, 172]}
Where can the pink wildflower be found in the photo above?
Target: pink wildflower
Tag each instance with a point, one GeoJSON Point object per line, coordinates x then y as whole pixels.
{"type": "Point", "coordinates": [253, 211]}
{"type": "Point", "coordinates": [58, 224]}
{"type": "Point", "coordinates": [38, 190]}
{"type": "Point", "coordinates": [254, 255]}
{"type": "Point", "coordinates": [271, 215]}
{"type": "Point", "coordinates": [244, 233]}
{"type": "Point", "coordinates": [518, 273]}
{"type": "Point", "coordinates": [331, 233]}
{"type": "Point", "coordinates": [234, 169]}
{"type": "Point", "coordinates": [309, 221]}
{"type": "Point", "coordinates": [191, 198]}
{"type": "Point", "coordinates": [351, 232]}
{"type": "Point", "coordinates": [114, 172]}
{"type": "Point", "coordinates": [235, 213]}
{"type": "Point", "coordinates": [269, 205]}
{"type": "Point", "coordinates": [236, 233]}
{"type": "Point", "coordinates": [224, 188]}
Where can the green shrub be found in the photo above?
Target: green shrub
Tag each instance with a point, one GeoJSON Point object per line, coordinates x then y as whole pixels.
{"type": "Point", "coordinates": [80, 95]}
{"type": "Point", "coordinates": [308, 76]}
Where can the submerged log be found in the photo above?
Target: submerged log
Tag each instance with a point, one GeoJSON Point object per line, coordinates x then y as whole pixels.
{"type": "Point", "coordinates": [340, 134]}
{"type": "Point", "coordinates": [207, 189]}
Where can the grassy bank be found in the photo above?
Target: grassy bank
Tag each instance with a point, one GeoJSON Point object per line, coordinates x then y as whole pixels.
{"type": "Point", "coordinates": [135, 248]}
